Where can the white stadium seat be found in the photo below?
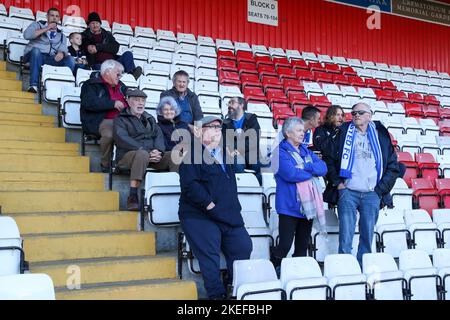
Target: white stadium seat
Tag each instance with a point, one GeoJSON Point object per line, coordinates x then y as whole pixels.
{"type": "Point", "coordinates": [72, 21]}
{"type": "Point", "coordinates": [142, 32]}
{"type": "Point", "coordinates": [340, 61]}
{"type": "Point", "coordinates": [391, 232]}
{"type": "Point", "coordinates": [309, 57]}
{"type": "Point", "coordinates": [277, 52]}
{"type": "Point", "coordinates": [70, 107]}
{"type": "Point", "coordinates": [423, 231]}
{"type": "Point", "coordinates": [3, 10]}
{"type": "Point", "coordinates": [10, 26]}
{"type": "Point", "coordinates": [186, 38]}
{"type": "Point", "coordinates": [82, 76]}
{"type": "Point", "coordinates": [106, 25]}
{"type": "Point", "coordinates": [121, 29]}
{"type": "Point", "coordinates": [441, 217]}
{"type": "Point", "coordinates": [153, 86]}
{"type": "Point", "coordinates": [15, 45]}
{"type": "Point", "coordinates": [242, 46]}
{"type": "Point", "coordinates": [224, 45]}
{"type": "Point", "coordinates": [260, 50]}
{"type": "Point", "coordinates": [26, 287]}
{"type": "Point", "coordinates": [54, 79]}
{"type": "Point", "coordinates": [11, 251]}
{"type": "Point", "coordinates": [21, 13]}
{"type": "Point", "coordinates": [293, 55]}
{"type": "Point", "coordinates": [441, 261]}
{"type": "Point", "coordinates": [205, 41]}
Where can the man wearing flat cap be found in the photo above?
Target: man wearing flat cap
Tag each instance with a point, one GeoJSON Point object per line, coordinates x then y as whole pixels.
{"type": "Point", "coordinates": [139, 141]}
{"type": "Point", "coordinates": [209, 211]}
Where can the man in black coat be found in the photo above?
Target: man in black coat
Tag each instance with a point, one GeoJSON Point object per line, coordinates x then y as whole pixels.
{"type": "Point", "coordinates": [209, 211]}
{"type": "Point", "coordinates": [241, 133]}
{"type": "Point", "coordinates": [102, 98]}
{"type": "Point", "coordinates": [100, 45]}
{"type": "Point", "coordinates": [186, 99]}
{"type": "Point", "coordinates": [362, 170]}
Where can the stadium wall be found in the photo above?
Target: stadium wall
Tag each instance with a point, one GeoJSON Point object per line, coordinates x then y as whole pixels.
{"type": "Point", "coordinates": [306, 25]}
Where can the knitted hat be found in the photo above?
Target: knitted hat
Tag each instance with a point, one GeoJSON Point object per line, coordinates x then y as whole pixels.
{"type": "Point", "coordinates": [94, 16]}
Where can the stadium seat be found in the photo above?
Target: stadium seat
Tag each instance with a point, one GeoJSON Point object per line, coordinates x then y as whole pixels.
{"type": "Point", "coordinates": [304, 75]}
{"type": "Point", "coordinates": [256, 280]}
{"type": "Point", "coordinates": [266, 70]}
{"type": "Point", "coordinates": [302, 279]}
{"type": "Point", "coordinates": [331, 90]}
{"type": "Point", "coordinates": [26, 287]}
{"type": "Point", "coordinates": [320, 102]}
{"type": "Point", "coordinates": [340, 79]}
{"type": "Point", "coordinates": [293, 55]}
{"type": "Point", "coordinates": [21, 13]}
{"type": "Point", "coordinates": [332, 68]}
{"type": "Point", "coordinates": [254, 94]}
{"type": "Point", "coordinates": [354, 63]}
{"type": "Point", "coordinates": [272, 83]}
{"type": "Point", "coordinates": [344, 277]}
{"type": "Point", "coordinates": [349, 91]}
{"type": "Point", "coordinates": [324, 58]}
{"type": "Point", "coordinates": [323, 77]}
{"type": "Point", "coordinates": [74, 21]}
{"type": "Point", "coordinates": [7, 25]}
{"type": "Point", "coordinates": [392, 234]}
{"type": "Point", "coordinates": [245, 56]}
{"type": "Point", "coordinates": [424, 232]}
{"type": "Point", "coordinates": [316, 66]}
{"type": "Point", "coordinates": [3, 11]}
{"type": "Point", "coordinates": [372, 83]}
{"type": "Point", "coordinates": [444, 165]}
{"type": "Point", "coordinates": [290, 85]}
{"type": "Point", "coordinates": [53, 80]}
{"type": "Point", "coordinates": [429, 127]}
{"type": "Point", "coordinates": [12, 254]}
{"type": "Point", "coordinates": [165, 36]}
{"type": "Point", "coordinates": [442, 219]}
{"type": "Point", "coordinates": [286, 73]}
{"type": "Point", "coordinates": [299, 65]}
{"type": "Point", "coordinates": [441, 261]}
{"type": "Point", "coordinates": [209, 52]}
{"type": "Point", "coordinates": [367, 93]}
{"type": "Point", "coordinates": [396, 109]}
{"type": "Point", "coordinates": [264, 60]}
{"type": "Point", "coordinates": [356, 81]}
{"type": "Point", "coordinates": [443, 188]}
{"type": "Point", "coordinates": [15, 47]}
{"type": "Point", "coordinates": [310, 57]}
{"type": "Point", "coordinates": [251, 80]}
{"type": "Point", "coordinates": [385, 281]}
{"type": "Point", "coordinates": [153, 87]}
{"type": "Point", "coordinates": [380, 108]}
{"type": "Point", "coordinates": [298, 100]}
{"type": "Point", "coordinates": [277, 52]}
{"type": "Point", "coordinates": [260, 50]}
{"type": "Point", "coordinates": [312, 88]}
{"type": "Point", "coordinates": [420, 274]}
{"type": "Point", "coordinates": [69, 108]}
{"type": "Point", "coordinates": [425, 195]}
{"type": "Point", "coordinates": [340, 61]}
{"type": "Point", "coordinates": [408, 143]}
{"type": "Point", "coordinates": [229, 78]}
{"type": "Point", "coordinates": [412, 169]}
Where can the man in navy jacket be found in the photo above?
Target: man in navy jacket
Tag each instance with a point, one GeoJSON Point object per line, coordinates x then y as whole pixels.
{"type": "Point", "coordinates": [210, 212]}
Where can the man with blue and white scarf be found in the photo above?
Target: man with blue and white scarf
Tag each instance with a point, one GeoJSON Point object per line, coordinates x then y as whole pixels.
{"type": "Point", "coordinates": [363, 169]}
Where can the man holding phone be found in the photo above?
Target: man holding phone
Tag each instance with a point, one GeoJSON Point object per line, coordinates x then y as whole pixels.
{"type": "Point", "coordinates": [48, 45]}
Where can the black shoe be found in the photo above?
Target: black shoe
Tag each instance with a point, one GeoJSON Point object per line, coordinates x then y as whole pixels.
{"type": "Point", "coordinates": [104, 169]}
{"type": "Point", "coordinates": [32, 89]}
{"type": "Point", "coordinates": [132, 203]}
{"type": "Point", "coordinates": [137, 72]}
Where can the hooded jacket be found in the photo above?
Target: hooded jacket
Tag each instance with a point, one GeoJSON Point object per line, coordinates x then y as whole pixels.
{"type": "Point", "coordinates": [132, 133]}
{"type": "Point", "coordinates": [43, 41]}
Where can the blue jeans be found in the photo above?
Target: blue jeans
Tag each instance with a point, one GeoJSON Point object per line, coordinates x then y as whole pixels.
{"type": "Point", "coordinates": [127, 60]}
{"type": "Point", "coordinates": [37, 59]}
{"type": "Point", "coordinates": [368, 206]}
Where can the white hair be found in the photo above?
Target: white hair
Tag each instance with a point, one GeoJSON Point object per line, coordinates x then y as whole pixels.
{"type": "Point", "coordinates": [109, 65]}
{"type": "Point", "coordinates": [289, 124]}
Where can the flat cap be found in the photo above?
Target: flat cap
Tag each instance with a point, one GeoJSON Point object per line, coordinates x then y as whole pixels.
{"type": "Point", "coordinates": [136, 93]}
{"type": "Point", "coordinates": [208, 119]}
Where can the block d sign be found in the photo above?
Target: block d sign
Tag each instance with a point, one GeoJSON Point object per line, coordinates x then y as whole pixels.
{"type": "Point", "coordinates": [263, 11]}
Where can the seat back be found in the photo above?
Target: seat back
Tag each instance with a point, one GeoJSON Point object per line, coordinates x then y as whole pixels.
{"type": "Point", "coordinates": [27, 287]}
{"type": "Point", "coordinates": [252, 271]}
{"type": "Point", "coordinates": [341, 265]}
{"type": "Point", "coordinates": [414, 259]}
{"type": "Point", "coordinates": [9, 237]}
{"type": "Point", "coordinates": [70, 107]}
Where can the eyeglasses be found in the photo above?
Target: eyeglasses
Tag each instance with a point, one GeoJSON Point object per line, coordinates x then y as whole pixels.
{"type": "Point", "coordinates": [359, 113]}
{"type": "Point", "coordinates": [217, 127]}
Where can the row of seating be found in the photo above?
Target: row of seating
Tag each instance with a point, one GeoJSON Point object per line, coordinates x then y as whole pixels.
{"type": "Point", "coordinates": [415, 278]}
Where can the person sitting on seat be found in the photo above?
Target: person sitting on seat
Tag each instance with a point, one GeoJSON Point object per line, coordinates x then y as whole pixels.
{"type": "Point", "coordinates": [100, 45]}
{"type": "Point", "coordinates": [48, 45]}
{"type": "Point", "coordinates": [174, 130]}
{"type": "Point", "coordinates": [76, 52]}
{"type": "Point", "coordinates": [139, 141]}
{"type": "Point", "coordinates": [102, 98]}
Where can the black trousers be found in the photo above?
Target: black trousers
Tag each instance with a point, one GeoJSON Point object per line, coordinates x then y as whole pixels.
{"type": "Point", "coordinates": [288, 228]}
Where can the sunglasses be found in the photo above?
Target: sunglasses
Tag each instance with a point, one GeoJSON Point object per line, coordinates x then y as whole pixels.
{"type": "Point", "coordinates": [359, 113]}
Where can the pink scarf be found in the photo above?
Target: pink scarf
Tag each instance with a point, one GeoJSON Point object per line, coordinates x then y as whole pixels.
{"type": "Point", "coordinates": [312, 201]}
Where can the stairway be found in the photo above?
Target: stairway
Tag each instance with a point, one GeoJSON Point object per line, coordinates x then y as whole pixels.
{"type": "Point", "coordinates": [72, 228]}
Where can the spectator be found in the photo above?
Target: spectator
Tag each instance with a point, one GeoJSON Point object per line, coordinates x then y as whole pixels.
{"type": "Point", "coordinates": [324, 135]}
{"type": "Point", "coordinates": [139, 142]}
{"type": "Point", "coordinates": [102, 98]}
{"type": "Point", "coordinates": [76, 52]}
{"type": "Point", "coordinates": [311, 120]}
{"type": "Point", "coordinates": [298, 198]}
{"type": "Point", "coordinates": [48, 45]}
{"type": "Point", "coordinates": [362, 173]}
{"type": "Point", "coordinates": [186, 99]}
{"type": "Point", "coordinates": [100, 45]}
{"type": "Point", "coordinates": [171, 126]}
{"type": "Point", "coordinates": [245, 130]}
{"type": "Point", "coordinates": [210, 212]}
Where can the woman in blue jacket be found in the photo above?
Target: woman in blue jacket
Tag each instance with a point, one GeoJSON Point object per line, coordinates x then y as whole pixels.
{"type": "Point", "coordinates": [293, 162]}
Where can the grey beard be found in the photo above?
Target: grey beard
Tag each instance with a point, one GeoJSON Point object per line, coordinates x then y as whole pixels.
{"type": "Point", "coordinates": [232, 115]}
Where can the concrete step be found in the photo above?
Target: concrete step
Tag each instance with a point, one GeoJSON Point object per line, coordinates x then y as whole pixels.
{"type": "Point", "coordinates": [39, 148]}
{"type": "Point", "coordinates": [92, 271]}
{"type": "Point", "coordinates": [40, 152]}
{"type": "Point", "coordinates": [26, 108]}
{"type": "Point", "coordinates": [2, 65]}
{"type": "Point", "coordinates": [30, 133]}
{"type": "Point", "coordinates": [6, 99]}
{"type": "Point", "coordinates": [36, 163]}
{"type": "Point", "coordinates": [146, 290]}
{"type": "Point", "coordinates": [26, 124]}
{"type": "Point", "coordinates": [8, 75]}
{"type": "Point", "coordinates": [6, 116]}
{"type": "Point", "coordinates": [10, 85]}
{"type": "Point", "coordinates": [54, 247]}
{"type": "Point", "coordinates": [36, 181]}
{"type": "Point", "coordinates": [58, 201]}
{"type": "Point", "coordinates": [75, 222]}
{"type": "Point", "coordinates": [28, 97]}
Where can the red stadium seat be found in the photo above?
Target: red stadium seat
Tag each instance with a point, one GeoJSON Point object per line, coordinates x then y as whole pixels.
{"type": "Point", "coordinates": [323, 77]}
{"type": "Point", "coordinates": [388, 85]}
{"type": "Point", "coordinates": [245, 56]}
{"type": "Point", "coordinates": [411, 166]}
{"type": "Point", "coordinates": [250, 80]}
{"type": "Point", "coordinates": [271, 83]}
{"type": "Point", "coordinates": [431, 111]}
{"type": "Point", "coordinates": [332, 68]}
{"type": "Point", "coordinates": [286, 73]}
{"type": "Point", "coordinates": [393, 140]}
{"type": "Point", "coordinates": [299, 65]}
{"type": "Point", "coordinates": [431, 100]}
{"type": "Point", "coordinates": [400, 96]}
{"type": "Point", "coordinates": [348, 71]}
{"type": "Point", "coordinates": [443, 187]}
{"type": "Point", "coordinates": [298, 100]}
{"type": "Point", "coordinates": [428, 167]}
{"type": "Point", "coordinates": [276, 96]}
{"type": "Point", "coordinates": [266, 70]}
{"type": "Point", "coordinates": [413, 110]}
{"type": "Point", "coordinates": [415, 97]}
{"type": "Point", "coordinates": [229, 77]}
{"type": "Point", "coordinates": [372, 83]}
{"type": "Point", "coordinates": [384, 95]}
{"type": "Point", "coordinates": [226, 65]}
{"type": "Point", "coordinates": [316, 66]}
{"type": "Point", "coordinates": [281, 62]}
{"type": "Point", "coordinates": [320, 101]}
{"type": "Point", "coordinates": [245, 67]}
{"type": "Point", "coordinates": [444, 127]}
{"type": "Point", "coordinates": [425, 195]}
{"type": "Point", "coordinates": [253, 94]}
{"type": "Point", "coordinates": [304, 75]}
{"type": "Point", "coordinates": [264, 60]}
{"type": "Point", "coordinates": [340, 79]}
{"type": "Point", "coordinates": [348, 117]}
{"type": "Point", "coordinates": [356, 81]}
{"type": "Point", "coordinates": [225, 54]}
{"type": "Point", "coordinates": [290, 85]}
{"type": "Point", "coordinates": [444, 113]}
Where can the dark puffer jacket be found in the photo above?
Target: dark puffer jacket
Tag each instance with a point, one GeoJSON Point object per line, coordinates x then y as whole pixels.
{"type": "Point", "coordinates": [109, 44]}
{"type": "Point", "coordinates": [131, 133]}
